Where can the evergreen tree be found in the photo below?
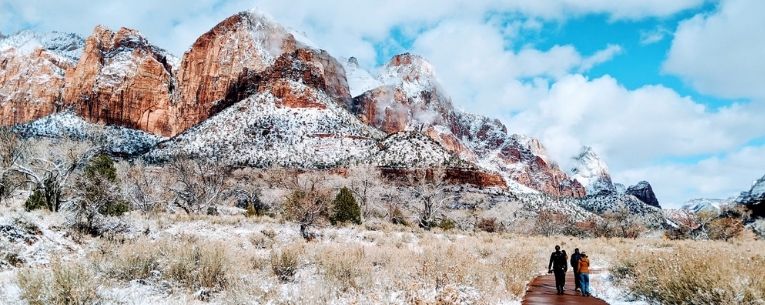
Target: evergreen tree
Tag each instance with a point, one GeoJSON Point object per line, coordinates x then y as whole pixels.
{"type": "Point", "coordinates": [345, 208]}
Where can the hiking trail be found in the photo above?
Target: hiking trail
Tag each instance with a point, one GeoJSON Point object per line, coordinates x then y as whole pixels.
{"type": "Point", "coordinates": [541, 290]}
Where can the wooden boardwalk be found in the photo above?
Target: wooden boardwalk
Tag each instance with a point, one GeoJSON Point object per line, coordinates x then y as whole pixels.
{"type": "Point", "coordinates": [542, 291]}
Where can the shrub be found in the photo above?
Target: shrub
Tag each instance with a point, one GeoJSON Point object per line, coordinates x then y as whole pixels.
{"type": "Point", "coordinates": [36, 201]}
{"type": "Point", "coordinates": [346, 268]}
{"type": "Point", "coordinates": [285, 263]}
{"type": "Point", "coordinates": [345, 208]}
{"type": "Point", "coordinates": [397, 216]}
{"type": "Point", "coordinates": [64, 284]}
{"type": "Point", "coordinates": [446, 224]}
{"type": "Point", "coordinates": [488, 225]}
{"type": "Point", "coordinates": [197, 266]}
{"type": "Point", "coordinates": [725, 228]}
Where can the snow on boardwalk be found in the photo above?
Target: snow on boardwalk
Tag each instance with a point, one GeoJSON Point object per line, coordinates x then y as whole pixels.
{"type": "Point", "coordinates": [542, 291]}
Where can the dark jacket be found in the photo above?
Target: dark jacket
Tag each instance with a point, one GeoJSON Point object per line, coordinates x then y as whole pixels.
{"type": "Point", "coordinates": [575, 261]}
{"type": "Point", "coordinates": [558, 261]}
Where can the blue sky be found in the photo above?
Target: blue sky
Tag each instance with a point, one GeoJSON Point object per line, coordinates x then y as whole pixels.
{"type": "Point", "coordinates": [666, 91]}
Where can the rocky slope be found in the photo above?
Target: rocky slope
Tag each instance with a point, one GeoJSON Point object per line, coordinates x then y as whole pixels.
{"type": "Point", "coordinates": [250, 92]}
{"type": "Point", "coordinates": [122, 79]}
{"type": "Point", "coordinates": [754, 198]}
{"type": "Point", "coordinates": [411, 98]}
{"type": "Point", "coordinates": [32, 73]}
{"type": "Point", "coordinates": [644, 193]}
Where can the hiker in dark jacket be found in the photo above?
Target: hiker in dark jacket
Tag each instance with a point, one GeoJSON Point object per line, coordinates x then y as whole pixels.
{"type": "Point", "coordinates": [559, 266]}
{"type": "Point", "coordinates": [575, 266]}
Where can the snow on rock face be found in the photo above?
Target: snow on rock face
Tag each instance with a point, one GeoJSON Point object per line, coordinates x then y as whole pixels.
{"type": "Point", "coordinates": [413, 149]}
{"type": "Point", "coordinates": [359, 80]}
{"type": "Point", "coordinates": [412, 99]}
{"type": "Point", "coordinates": [644, 193]}
{"type": "Point", "coordinates": [124, 80]}
{"type": "Point", "coordinates": [592, 172]}
{"type": "Point", "coordinates": [262, 131]}
{"type": "Point", "coordinates": [117, 140]}
{"type": "Point", "coordinates": [754, 194]}
{"type": "Point", "coordinates": [32, 73]}
{"type": "Point", "coordinates": [703, 205]}
{"type": "Point", "coordinates": [754, 199]}
{"type": "Point", "coordinates": [247, 41]}
{"type": "Point", "coordinates": [66, 45]}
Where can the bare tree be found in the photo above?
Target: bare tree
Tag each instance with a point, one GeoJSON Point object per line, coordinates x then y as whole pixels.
{"type": "Point", "coordinates": [12, 149]}
{"type": "Point", "coordinates": [49, 170]}
{"type": "Point", "coordinates": [197, 184]}
{"type": "Point", "coordinates": [143, 187]}
{"type": "Point", "coordinates": [308, 203]}
{"type": "Point", "coordinates": [364, 179]}
{"type": "Point", "coordinates": [429, 188]}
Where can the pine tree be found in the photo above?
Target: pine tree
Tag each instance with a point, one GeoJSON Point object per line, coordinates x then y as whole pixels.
{"type": "Point", "coordinates": [345, 208]}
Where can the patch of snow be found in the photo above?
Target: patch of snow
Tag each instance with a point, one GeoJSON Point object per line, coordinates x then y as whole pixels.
{"type": "Point", "coordinates": [115, 139]}
{"type": "Point", "coordinates": [592, 172]}
{"type": "Point", "coordinates": [359, 79]}
{"type": "Point", "coordinates": [67, 45]}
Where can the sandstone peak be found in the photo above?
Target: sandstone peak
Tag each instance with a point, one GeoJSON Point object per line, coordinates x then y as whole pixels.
{"type": "Point", "coordinates": [409, 68]}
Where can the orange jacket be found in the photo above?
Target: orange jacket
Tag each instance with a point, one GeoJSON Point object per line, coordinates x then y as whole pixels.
{"type": "Point", "coordinates": [584, 265]}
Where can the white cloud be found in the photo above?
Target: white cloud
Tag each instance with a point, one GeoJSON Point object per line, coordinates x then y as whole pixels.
{"type": "Point", "coordinates": [344, 27]}
{"type": "Point", "coordinates": [656, 35]}
{"type": "Point", "coordinates": [633, 127]}
{"type": "Point", "coordinates": [600, 57]}
{"type": "Point", "coordinates": [714, 177]}
{"type": "Point", "coordinates": [721, 54]}
{"type": "Point", "coordinates": [481, 74]}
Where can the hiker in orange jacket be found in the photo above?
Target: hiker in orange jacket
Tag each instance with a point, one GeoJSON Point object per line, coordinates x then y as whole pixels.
{"type": "Point", "coordinates": [584, 274]}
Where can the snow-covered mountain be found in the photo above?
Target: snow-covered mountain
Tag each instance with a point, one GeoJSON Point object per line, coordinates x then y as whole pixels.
{"type": "Point", "coordinates": [411, 99]}
{"type": "Point", "coordinates": [32, 73]}
{"type": "Point", "coordinates": [592, 172]}
{"type": "Point", "coordinates": [250, 92]}
{"type": "Point", "coordinates": [704, 205]}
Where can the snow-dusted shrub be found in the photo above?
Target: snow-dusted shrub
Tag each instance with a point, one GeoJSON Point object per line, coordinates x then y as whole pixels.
{"type": "Point", "coordinates": [345, 267]}
{"type": "Point", "coordinates": [285, 262]}
{"type": "Point", "coordinates": [199, 265]}
{"type": "Point", "coordinates": [62, 284]}
{"type": "Point", "coordinates": [693, 273]}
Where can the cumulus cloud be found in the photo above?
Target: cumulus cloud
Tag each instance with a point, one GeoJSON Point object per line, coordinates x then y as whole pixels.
{"type": "Point", "coordinates": [713, 177]}
{"type": "Point", "coordinates": [721, 53]}
{"type": "Point", "coordinates": [633, 127]}
{"type": "Point", "coordinates": [345, 27]}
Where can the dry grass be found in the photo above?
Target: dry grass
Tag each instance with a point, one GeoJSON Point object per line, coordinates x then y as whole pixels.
{"type": "Point", "coordinates": [696, 273]}
{"type": "Point", "coordinates": [241, 261]}
{"type": "Point", "coordinates": [285, 262]}
{"type": "Point", "coordinates": [61, 284]}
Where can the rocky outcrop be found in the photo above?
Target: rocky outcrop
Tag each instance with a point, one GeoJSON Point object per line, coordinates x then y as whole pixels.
{"type": "Point", "coordinates": [32, 74]}
{"type": "Point", "coordinates": [122, 79]}
{"type": "Point", "coordinates": [754, 198]}
{"type": "Point", "coordinates": [452, 175]}
{"type": "Point", "coordinates": [244, 43]}
{"type": "Point", "coordinates": [411, 99]}
{"type": "Point", "coordinates": [644, 193]}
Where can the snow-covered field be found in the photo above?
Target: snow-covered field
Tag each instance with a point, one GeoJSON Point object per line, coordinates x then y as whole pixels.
{"type": "Point", "coordinates": [376, 263]}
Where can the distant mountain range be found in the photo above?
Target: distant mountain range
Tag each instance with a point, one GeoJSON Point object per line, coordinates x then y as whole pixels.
{"type": "Point", "coordinates": [251, 92]}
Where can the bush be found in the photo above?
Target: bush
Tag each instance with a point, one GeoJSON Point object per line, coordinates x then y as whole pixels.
{"type": "Point", "coordinates": [346, 268]}
{"type": "Point", "coordinates": [36, 201]}
{"type": "Point", "coordinates": [488, 225]}
{"type": "Point", "coordinates": [63, 284]}
{"type": "Point", "coordinates": [199, 266]}
{"type": "Point", "coordinates": [345, 208]}
{"type": "Point", "coordinates": [446, 224]}
{"type": "Point", "coordinates": [285, 263]}
{"type": "Point", "coordinates": [725, 228]}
